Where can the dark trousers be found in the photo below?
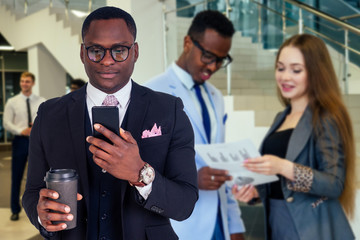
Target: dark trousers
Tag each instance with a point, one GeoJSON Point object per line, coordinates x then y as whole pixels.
{"type": "Point", "coordinates": [20, 151]}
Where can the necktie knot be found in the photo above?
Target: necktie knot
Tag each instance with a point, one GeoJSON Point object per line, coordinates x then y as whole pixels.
{"type": "Point", "coordinates": [110, 100]}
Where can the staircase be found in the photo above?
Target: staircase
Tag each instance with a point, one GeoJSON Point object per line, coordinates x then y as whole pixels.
{"type": "Point", "coordinates": [53, 33]}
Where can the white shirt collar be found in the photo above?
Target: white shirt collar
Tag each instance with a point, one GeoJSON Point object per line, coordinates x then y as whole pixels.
{"type": "Point", "coordinates": [184, 76]}
{"type": "Point", "coordinates": [25, 97]}
{"type": "Point", "coordinates": [97, 96]}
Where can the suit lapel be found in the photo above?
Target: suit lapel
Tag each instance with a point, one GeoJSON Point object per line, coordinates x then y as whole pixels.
{"type": "Point", "coordinates": [182, 92]}
{"type": "Point", "coordinates": [136, 111]}
{"type": "Point", "coordinates": [135, 116]}
{"type": "Point", "coordinates": [300, 136]}
{"type": "Point", "coordinates": [76, 119]}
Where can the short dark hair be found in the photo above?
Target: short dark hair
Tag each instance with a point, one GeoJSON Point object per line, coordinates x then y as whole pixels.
{"type": "Point", "coordinates": [210, 19]}
{"type": "Point", "coordinates": [105, 13]}
{"type": "Point", "coordinates": [78, 82]}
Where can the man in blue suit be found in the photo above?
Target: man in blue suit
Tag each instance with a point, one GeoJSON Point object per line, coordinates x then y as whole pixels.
{"type": "Point", "coordinates": [206, 46]}
{"type": "Point", "coordinates": [131, 186]}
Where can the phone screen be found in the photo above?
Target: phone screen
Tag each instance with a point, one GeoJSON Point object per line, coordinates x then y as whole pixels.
{"type": "Point", "coordinates": [108, 116]}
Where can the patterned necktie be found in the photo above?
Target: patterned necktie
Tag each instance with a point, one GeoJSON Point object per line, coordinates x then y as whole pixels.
{"type": "Point", "coordinates": [204, 111]}
{"type": "Point", "coordinates": [28, 111]}
{"type": "Point", "coordinates": [110, 100]}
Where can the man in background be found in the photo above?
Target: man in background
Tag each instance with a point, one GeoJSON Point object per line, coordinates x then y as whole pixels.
{"type": "Point", "coordinates": [205, 50]}
{"type": "Point", "coordinates": [77, 83]}
{"type": "Point", "coordinates": [19, 113]}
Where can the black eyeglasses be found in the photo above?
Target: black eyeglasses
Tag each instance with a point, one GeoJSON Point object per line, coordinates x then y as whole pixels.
{"type": "Point", "coordinates": [208, 57]}
{"type": "Point", "coordinates": [119, 53]}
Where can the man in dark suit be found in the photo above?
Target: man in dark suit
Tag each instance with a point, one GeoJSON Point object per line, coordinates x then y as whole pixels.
{"type": "Point", "coordinates": [130, 188]}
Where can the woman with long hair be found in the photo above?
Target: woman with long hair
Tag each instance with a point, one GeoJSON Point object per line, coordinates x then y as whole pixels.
{"type": "Point", "coordinates": [310, 147]}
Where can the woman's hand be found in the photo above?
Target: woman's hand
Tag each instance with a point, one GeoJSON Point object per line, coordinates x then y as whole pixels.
{"type": "Point", "coordinates": [245, 193]}
{"type": "Point", "coordinates": [270, 165]}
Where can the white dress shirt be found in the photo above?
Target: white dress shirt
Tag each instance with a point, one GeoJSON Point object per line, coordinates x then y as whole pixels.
{"type": "Point", "coordinates": [16, 115]}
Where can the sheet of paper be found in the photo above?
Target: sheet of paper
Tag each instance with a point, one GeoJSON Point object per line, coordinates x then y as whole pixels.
{"type": "Point", "coordinates": [230, 156]}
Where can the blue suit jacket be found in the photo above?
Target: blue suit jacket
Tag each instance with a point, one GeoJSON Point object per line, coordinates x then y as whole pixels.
{"type": "Point", "coordinates": [317, 214]}
{"type": "Point", "coordinates": [58, 141]}
{"type": "Point", "coordinates": [200, 225]}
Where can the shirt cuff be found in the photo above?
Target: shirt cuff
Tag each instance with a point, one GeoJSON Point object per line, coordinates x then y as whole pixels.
{"type": "Point", "coordinates": [145, 191]}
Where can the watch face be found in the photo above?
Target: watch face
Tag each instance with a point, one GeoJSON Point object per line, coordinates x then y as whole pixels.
{"type": "Point", "coordinates": [148, 175]}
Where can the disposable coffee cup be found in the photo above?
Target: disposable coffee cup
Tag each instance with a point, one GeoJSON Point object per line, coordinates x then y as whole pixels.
{"type": "Point", "coordinates": [64, 182]}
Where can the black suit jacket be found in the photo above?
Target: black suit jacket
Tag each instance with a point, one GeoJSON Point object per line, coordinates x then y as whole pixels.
{"type": "Point", "coordinates": [58, 141]}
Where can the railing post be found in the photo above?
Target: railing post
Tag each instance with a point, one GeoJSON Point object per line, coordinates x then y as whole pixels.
{"type": "Point", "coordinates": [67, 9]}
{"type": "Point", "coordinates": [300, 21]}
{"type": "Point", "coordinates": [164, 36]}
{"type": "Point", "coordinates": [284, 20]}
{"type": "Point", "coordinates": [259, 24]}
{"type": "Point", "coordinates": [228, 67]}
{"type": "Point", "coordinates": [26, 7]}
{"type": "Point", "coordinates": [346, 62]}
{"type": "Point", "coordinates": [90, 6]}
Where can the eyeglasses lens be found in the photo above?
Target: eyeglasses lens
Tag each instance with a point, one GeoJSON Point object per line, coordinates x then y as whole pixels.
{"type": "Point", "coordinates": [120, 53]}
{"type": "Point", "coordinates": [209, 59]}
{"type": "Point", "coordinates": [97, 53]}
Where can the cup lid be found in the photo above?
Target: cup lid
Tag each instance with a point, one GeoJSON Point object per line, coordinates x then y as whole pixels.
{"type": "Point", "coordinates": [54, 175]}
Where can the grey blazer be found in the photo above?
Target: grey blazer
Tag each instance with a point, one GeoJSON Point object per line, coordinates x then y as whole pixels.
{"type": "Point", "coordinates": [320, 168]}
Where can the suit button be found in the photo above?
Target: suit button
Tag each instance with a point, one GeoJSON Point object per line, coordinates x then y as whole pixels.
{"type": "Point", "coordinates": [290, 199]}
{"type": "Point", "coordinates": [103, 194]}
{"type": "Point", "coordinates": [104, 216]}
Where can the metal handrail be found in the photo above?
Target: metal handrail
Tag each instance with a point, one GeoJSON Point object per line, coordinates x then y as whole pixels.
{"type": "Point", "coordinates": [186, 7]}
{"type": "Point", "coordinates": [302, 7]}
{"type": "Point", "coordinates": [350, 17]}
{"type": "Point", "coordinates": [323, 15]}
{"type": "Point", "coordinates": [307, 28]}
{"type": "Point", "coordinates": [343, 25]}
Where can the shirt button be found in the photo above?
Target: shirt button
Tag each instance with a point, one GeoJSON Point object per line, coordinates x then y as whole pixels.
{"type": "Point", "coordinates": [104, 216]}
{"type": "Point", "coordinates": [103, 194]}
{"type": "Point", "coordinates": [290, 199]}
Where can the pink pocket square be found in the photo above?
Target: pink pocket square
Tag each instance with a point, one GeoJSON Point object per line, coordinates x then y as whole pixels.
{"type": "Point", "coordinates": [155, 131]}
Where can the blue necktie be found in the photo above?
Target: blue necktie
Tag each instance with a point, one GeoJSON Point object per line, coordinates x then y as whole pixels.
{"type": "Point", "coordinates": [204, 111]}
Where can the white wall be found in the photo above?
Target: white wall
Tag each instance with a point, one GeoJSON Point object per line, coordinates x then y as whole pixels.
{"type": "Point", "coordinates": [148, 18]}
{"type": "Point", "coordinates": [50, 75]}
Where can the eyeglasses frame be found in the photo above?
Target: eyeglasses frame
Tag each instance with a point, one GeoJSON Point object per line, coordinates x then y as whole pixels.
{"type": "Point", "coordinates": [216, 58]}
{"type": "Point", "coordinates": [110, 51]}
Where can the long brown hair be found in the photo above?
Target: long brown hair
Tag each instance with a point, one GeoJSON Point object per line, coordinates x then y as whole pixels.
{"type": "Point", "coordinates": [325, 101]}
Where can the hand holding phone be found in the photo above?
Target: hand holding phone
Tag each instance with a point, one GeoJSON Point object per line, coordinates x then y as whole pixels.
{"type": "Point", "coordinates": [108, 116]}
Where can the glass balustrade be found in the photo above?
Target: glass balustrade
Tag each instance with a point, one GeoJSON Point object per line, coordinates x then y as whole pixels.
{"type": "Point", "coordinates": [269, 22]}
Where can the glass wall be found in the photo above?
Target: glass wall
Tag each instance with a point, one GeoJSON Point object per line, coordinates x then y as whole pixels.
{"type": "Point", "coordinates": [12, 64]}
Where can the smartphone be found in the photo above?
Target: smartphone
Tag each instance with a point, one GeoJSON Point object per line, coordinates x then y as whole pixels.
{"type": "Point", "coordinates": [108, 116]}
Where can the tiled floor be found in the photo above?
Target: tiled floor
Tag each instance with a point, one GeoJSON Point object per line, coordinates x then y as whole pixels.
{"type": "Point", "coordinates": [16, 230]}
{"type": "Point", "coordinates": [12, 230]}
